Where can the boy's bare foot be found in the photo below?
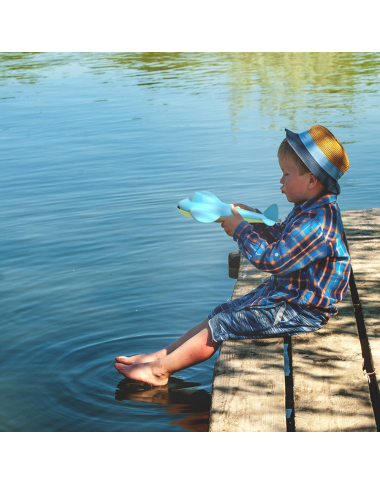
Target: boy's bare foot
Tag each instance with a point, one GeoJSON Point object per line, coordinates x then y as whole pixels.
{"type": "Point", "coordinates": [141, 358]}
{"type": "Point", "coordinates": [143, 373]}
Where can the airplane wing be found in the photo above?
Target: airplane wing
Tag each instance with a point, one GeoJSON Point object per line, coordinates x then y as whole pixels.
{"type": "Point", "coordinates": [204, 215]}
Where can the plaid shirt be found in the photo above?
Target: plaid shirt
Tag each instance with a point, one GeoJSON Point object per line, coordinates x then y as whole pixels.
{"type": "Point", "coordinates": [307, 255]}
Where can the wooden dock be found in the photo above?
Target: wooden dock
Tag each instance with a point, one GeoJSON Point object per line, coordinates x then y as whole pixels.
{"type": "Point", "coordinates": [331, 382]}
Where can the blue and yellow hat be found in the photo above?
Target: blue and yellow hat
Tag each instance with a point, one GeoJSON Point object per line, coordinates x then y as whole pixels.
{"type": "Point", "coordinates": [322, 153]}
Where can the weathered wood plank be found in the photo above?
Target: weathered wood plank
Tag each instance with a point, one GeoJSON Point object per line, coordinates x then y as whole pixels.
{"type": "Point", "coordinates": [249, 379]}
{"type": "Point", "coordinates": [363, 232]}
{"type": "Point", "coordinates": [330, 390]}
{"type": "Point", "coordinates": [249, 387]}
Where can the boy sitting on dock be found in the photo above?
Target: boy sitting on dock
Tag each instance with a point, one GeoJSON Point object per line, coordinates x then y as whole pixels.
{"type": "Point", "coordinates": [307, 256]}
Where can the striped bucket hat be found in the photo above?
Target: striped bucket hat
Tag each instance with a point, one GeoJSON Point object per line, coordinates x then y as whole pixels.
{"type": "Point", "coordinates": [322, 153]}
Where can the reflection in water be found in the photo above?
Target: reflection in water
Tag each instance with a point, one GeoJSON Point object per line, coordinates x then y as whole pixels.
{"type": "Point", "coordinates": [310, 84]}
{"type": "Point", "coordinates": [178, 397]}
{"type": "Point", "coordinates": [284, 84]}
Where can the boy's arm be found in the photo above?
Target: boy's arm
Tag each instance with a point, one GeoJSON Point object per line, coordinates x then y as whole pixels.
{"type": "Point", "coordinates": [292, 251]}
{"type": "Point", "coordinates": [269, 233]}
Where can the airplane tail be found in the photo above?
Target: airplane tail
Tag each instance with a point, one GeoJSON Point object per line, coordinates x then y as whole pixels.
{"type": "Point", "coordinates": [272, 213]}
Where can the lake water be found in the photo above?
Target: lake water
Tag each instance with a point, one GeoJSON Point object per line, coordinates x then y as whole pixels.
{"type": "Point", "coordinates": [96, 151]}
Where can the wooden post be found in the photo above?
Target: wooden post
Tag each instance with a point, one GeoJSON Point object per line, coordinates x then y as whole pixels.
{"type": "Point", "coordinates": [233, 265]}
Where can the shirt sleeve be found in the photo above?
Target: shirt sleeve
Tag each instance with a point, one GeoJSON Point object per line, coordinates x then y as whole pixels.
{"type": "Point", "coordinates": [294, 249]}
{"type": "Point", "coordinates": [269, 233]}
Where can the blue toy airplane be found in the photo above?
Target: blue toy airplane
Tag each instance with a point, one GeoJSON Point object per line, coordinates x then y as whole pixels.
{"type": "Point", "coordinates": [206, 207]}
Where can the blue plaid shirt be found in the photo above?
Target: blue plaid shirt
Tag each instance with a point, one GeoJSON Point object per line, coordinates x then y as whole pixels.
{"type": "Point", "coordinates": [307, 255]}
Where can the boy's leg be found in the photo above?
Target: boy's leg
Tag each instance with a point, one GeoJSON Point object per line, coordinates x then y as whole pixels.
{"type": "Point", "coordinates": [195, 350]}
{"type": "Point", "coordinates": [139, 359]}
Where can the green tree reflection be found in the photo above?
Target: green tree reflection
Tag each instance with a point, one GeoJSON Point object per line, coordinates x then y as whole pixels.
{"type": "Point", "coordinates": [300, 87]}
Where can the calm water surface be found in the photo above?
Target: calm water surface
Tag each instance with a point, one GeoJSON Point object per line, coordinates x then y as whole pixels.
{"type": "Point", "coordinates": [96, 151]}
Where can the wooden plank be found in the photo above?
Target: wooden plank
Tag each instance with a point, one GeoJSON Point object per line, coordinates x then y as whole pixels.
{"type": "Point", "coordinates": [330, 390]}
{"type": "Point", "coordinates": [363, 232]}
{"type": "Point", "coordinates": [249, 379]}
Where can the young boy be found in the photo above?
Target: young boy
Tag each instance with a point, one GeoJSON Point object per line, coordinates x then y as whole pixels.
{"type": "Point", "coordinates": [307, 256]}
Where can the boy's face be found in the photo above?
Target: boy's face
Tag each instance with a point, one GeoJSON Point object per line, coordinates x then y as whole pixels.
{"type": "Point", "coordinates": [294, 186]}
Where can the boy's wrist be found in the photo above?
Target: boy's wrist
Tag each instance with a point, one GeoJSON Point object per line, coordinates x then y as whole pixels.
{"type": "Point", "coordinates": [241, 229]}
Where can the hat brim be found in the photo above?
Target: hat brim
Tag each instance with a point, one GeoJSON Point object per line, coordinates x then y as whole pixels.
{"type": "Point", "coordinates": [321, 175]}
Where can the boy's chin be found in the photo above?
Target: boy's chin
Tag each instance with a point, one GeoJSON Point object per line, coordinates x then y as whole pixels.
{"type": "Point", "coordinates": [294, 201]}
{"type": "Point", "coordinates": [289, 199]}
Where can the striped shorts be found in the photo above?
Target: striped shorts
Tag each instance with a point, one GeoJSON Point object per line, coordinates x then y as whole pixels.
{"type": "Point", "coordinates": [283, 320]}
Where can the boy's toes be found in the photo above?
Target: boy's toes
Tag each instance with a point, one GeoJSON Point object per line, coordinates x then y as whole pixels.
{"type": "Point", "coordinates": [124, 360]}
{"type": "Point", "coordinates": [120, 368]}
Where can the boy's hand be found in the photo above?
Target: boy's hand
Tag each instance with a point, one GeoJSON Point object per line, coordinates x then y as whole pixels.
{"type": "Point", "coordinates": [230, 223]}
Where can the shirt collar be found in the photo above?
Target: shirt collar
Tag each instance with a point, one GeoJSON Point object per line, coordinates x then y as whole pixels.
{"type": "Point", "coordinates": [316, 202]}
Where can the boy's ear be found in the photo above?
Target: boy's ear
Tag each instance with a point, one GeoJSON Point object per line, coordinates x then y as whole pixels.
{"type": "Point", "coordinates": [313, 182]}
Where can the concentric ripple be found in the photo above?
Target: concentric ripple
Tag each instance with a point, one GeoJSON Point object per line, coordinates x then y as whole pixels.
{"type": "Point", "coordinates": [92, 396]}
